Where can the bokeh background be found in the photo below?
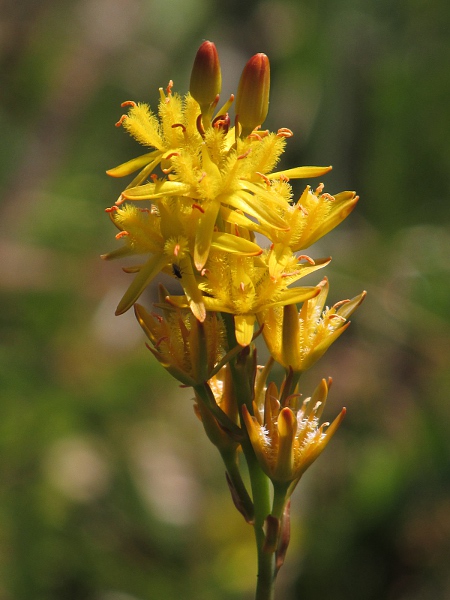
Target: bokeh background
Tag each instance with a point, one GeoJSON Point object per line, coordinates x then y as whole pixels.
{"type": "Point", "coordinates": [108, 488]}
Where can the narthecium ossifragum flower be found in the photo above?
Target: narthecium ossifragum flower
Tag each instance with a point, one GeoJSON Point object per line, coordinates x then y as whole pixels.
{"type": "Point", "coordinates": [204, 197]}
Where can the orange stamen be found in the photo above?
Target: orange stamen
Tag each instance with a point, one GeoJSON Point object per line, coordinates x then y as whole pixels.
{"type": "Point", "coordinates": [161, 340]}
{"type": "Point", "coordinates": [121, 120]}
{"type": "Point", "coordinates": [199, 124]}
{"type": "Point", "coordinates": [285, 132]}
{"type": "Point", "coordinates": [128, 103]}
{"type": "Point", "coordinates": [334, 316]}
{"type": "Point", "coordinates": [307, 258]}
{"type": "Point", "coordinates": [244, 155]}
{"type": "Point", "coordinates": [121, 234]}
{"type": "Point", "coordinates": [319, 188]}
{"type": "Point", "coordinates": [255, 136]}
{"type": "Point", "coordinates": [340, 303]}
{"type": "Point", "coordinates": [198, 207]}
{"type": "Point", "coordinates": [264, 177]}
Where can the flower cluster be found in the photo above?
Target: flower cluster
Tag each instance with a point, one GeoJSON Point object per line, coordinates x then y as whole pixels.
{"type": "Point", "coordinates": [208, 207]}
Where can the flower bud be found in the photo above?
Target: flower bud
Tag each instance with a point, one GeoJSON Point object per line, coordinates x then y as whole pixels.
{"type": "Point", "coordinates": [206, 78]}
{"type": "Point", "coordinates": [252, 99]}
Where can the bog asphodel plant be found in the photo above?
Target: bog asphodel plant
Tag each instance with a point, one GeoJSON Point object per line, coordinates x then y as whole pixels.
{"type": "Point", "coordinates": [204, 189]}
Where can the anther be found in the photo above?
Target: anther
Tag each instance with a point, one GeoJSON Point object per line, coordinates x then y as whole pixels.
{"type": "Point", "coordinates": [154, 177]}
{"type": "Point", "coordinates": [285, 132]}
{"type": "Point", "coordinates": [264, 177]}
{"type": "Point", "coordinates": [303, 209]}
{"type": "Point", "coordinates": [160, 341]}
{"type": "Point", "coordinates": [169, 88]}
{"type": "Point", "coordinates": [203, 175]}
{"type": "Point", "coordinates": [242, 286]}
{"type": "Point", "coordinates": [179, 125]}
{"type": "Point", "coordinates": [199, 124]}
{"type": "Point", "coordinates": [111, 209]}
{"type": "Point", "coordinates": [121, 120]}
{"type": "Point", "coordinates": [222, 122]}
{"type": "Point", "coordinates": [198, 207]}
{"type": "Point", "coordinates": [128, 103]}
{"type": "Point", "coordinates": [328, 197]}
{"type": "Point", "coordinates": [245, 154]}
{"type": "Point", "coordinates": [215, 102]}
{"type": "Point", "coordinates": [284, 178]}
{"type": "Point", "coordinates": [255, 136]}
{"type": "Point", "coordinates": [120, 200]}
{"type": "Point", "coordinates": [307, 258]}
{"type": "Point", "coordinates": [335, 316]}
{"type": "Point", "coordinates": [176, 249]}
{"type": "Point", "coordinates": [319, 188]}
{"type": "Point", "coordinates": [122, 234]}
{"type": "Point", "coordinates": [340, 303]}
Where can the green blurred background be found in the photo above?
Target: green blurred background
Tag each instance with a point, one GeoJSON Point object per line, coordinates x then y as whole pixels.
{"type": "Point", "coordinates": [109, 490]}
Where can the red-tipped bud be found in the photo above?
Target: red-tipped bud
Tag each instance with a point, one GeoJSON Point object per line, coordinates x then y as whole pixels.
{"type": "Point", "coordinates": [252, 99]}
{"type": "Point", "coordinates": [206, 78]}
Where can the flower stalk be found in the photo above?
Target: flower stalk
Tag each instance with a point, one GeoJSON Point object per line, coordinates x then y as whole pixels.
{"type": "Point", "coordinates": [197, 209]}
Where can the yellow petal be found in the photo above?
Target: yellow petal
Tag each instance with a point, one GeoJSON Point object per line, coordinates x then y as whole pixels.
{"type": "Point", "coordinates": [300, 172]}
{"type": "Point", "coordinates": [294, 296]}
{"type": "Point", "coordinates": [248, 204]}
{"type": "Point", "coordinates": [287, 427]}
{"type": "Point", "coordinates": [203, 235]}
{"type": "Point", "coordinates": [118, 253]}
{"type": "Point", "coordinates": [148, 271]}
{"type": "Point", "coordinates": [133, 165]}
{"type": "Point", "coordinates": [244, 328]}
{"type": "Point", "coordinates": [232, 243]}
{"type": "Point", "coordinates": [159, 189]}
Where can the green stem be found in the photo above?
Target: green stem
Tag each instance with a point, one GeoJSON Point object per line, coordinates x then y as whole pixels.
{"type": "Point", "coordinates": [279, 499]}
{"type": "Point", "coordinates": [241, 372]}
{"type": "Point", "coordinates": [261, 500]}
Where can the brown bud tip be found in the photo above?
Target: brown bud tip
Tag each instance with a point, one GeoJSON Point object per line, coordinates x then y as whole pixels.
{"type": "Point", "coordinates": [206, 78]}
{"type": "Point", "coordinates": [252, 99]}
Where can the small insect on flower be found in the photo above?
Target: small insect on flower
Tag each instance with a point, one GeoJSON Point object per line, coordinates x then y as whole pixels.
{"type": "Point", "coordinates": [177, 271]}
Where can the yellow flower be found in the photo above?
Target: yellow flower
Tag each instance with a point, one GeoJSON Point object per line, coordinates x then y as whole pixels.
{"type": "Point", "coordinates": [287, 441]}
{"type": "Point", "coordinates": [314, 215]}
{"type": "Point", "coordinates": [243, 287]}
{"type": "Point", "coordinates": [215, 180]}
{"type": "Point", "coordinates": [297, 339]}
{"type": "Point", "coordinates": [187, 348]}
{"type": "Point", "coordinates": [166, 234]}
